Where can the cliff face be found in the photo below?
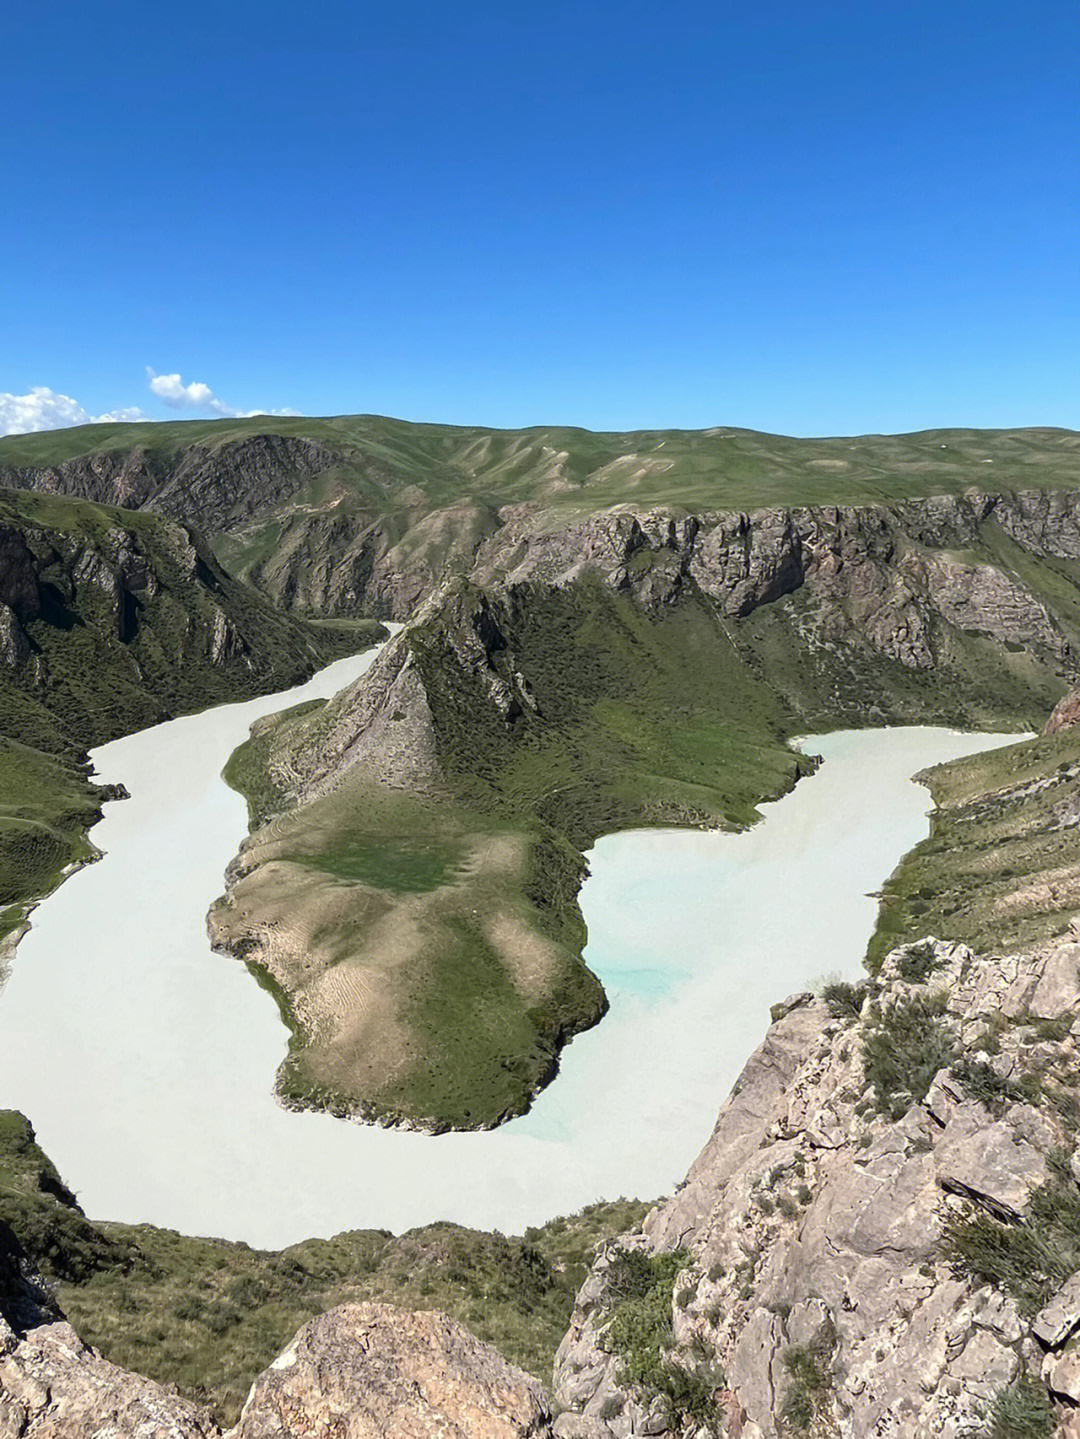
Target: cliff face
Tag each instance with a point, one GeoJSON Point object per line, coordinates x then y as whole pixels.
{"type": "Point", "coordinates": [865, 1247]}
{"type": "Point", "coordinates": [881, 574]}
{"type": "Point", "coordinates": [209, 487]}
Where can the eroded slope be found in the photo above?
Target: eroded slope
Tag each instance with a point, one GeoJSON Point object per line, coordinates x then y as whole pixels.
{"type": "Point", "coordinates": [409, 885]}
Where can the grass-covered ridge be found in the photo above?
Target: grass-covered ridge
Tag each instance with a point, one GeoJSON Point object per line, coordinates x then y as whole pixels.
{"type": "Point", "coordinates": [208, 1315]}
{"type": "Point", "coordinates": [999, 869]}
{"type": "Point", "coordinates": [452, 916]}
{"type": "Point", "coordinates": [721, 466]}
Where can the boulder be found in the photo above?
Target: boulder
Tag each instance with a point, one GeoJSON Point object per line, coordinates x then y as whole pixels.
{"type": "Point", "coordinates": [367, 1370]}
{"type": "Point", "coordinates": [53, 1387]}
{"type": "Point", "coordinates": [1062, 1375]}
{"type": "Point", "coordinates": [1065, 713]}
{"type": "Point", "coordinates": [988, 1161]}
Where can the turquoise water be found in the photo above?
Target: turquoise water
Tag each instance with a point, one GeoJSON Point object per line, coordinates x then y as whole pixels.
{"type": "Point", "coordinates": [146, 1062]}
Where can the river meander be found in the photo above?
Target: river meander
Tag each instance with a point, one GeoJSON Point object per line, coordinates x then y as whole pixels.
{"type": "Point", "coordinates": [146, 1062]}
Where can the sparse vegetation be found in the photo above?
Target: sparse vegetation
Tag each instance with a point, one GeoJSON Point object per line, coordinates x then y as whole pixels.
{"type": "Point", "coordinates": [1022, 1410]}
{"type": "Point", "coordinates": [998, 869]}
{"type": "Point", "coordinates": [809, 1388]}
{"type": "Point", "coordinates": [982, 1082]}
{"type": "Point", "coordinates": [904, 1046]}
{"type": "Point", "coordinates": [640, 1331]}
{"type": "Point", "coordinates": [1029, 1259]}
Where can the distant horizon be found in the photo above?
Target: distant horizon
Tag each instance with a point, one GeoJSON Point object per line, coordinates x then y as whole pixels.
{"type": "Point", "coordinates": [202, 422]}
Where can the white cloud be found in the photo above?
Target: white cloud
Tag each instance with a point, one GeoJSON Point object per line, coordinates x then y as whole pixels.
{"type": "Point", "coordinates": [43, 409]}
{"type": "Point", "coordinates": [173, 391]}
{"type": "Point", "coordinates": [197, 396]}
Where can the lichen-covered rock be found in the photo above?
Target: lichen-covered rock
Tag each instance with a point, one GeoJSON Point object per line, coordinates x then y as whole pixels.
{"type": "Point", "coordinates": [366, 1370]}
{"type": "Point", "coordinates": [817, 1276]}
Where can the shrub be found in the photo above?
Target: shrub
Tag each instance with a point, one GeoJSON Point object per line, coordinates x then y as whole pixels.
{"type": "Point", "coordinates": [809, 1388]}
{"type": "Point", "coordinates": [983, 1083]}
{"type": "Point", "coordinates": [903, 1049]}
{"type": "Point", "coordinates": [1051, 1030]}
{"type": "Point", "coordinates": [640, 1331]}
{"type": "Point", "coordinates": [845, 1001]}
{"type": "Point", "coordinates": [1021, 1411]}
{"type": "Point", "coordinates": [1029, 1259]}
{"type": "Point", "coordinates": [917, 963]}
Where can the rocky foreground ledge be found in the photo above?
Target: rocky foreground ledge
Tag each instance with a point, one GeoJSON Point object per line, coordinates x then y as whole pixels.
{"type": "Point", "coordinates": [359, 1372]}
{"type": "Point", "coordinates": [881, 1238]}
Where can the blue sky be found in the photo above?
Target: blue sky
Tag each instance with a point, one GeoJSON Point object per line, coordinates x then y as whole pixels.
{"type": "Point", "coordinates": [834, 216]}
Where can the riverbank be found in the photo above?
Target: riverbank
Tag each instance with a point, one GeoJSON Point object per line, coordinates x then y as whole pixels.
{"type": "Point", "coordinates": [152, 1080]}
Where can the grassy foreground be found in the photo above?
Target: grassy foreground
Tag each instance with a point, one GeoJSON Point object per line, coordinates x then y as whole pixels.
{"type": "Point", "coordinates": [208, 1316]}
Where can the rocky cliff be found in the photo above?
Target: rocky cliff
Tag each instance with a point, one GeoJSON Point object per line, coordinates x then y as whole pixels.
{"type": "Point", "coordinates": [882, 1235]}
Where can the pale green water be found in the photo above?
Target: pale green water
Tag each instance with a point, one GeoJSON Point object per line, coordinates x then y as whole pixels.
{"type": "Point", "coordinates": [146, 1062]}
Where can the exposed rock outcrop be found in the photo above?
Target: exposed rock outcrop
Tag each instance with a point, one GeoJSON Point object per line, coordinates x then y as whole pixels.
{"type": "Point", "coordinates": [209, 487]}
{"type": "Point", "coordinates": [365, 1371]}
{"type": "Point", "coordinates": [876, 575]}
{"type": "Point", "coordinates": [1066, 713]}
{"type": "Point", "coordinates": [821, 1266]}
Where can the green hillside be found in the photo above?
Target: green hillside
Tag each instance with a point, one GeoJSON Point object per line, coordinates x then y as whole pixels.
{"type": "Point", "coordinates": [568, 467]}
{"type": "Point", "coordinates": [111, 621]}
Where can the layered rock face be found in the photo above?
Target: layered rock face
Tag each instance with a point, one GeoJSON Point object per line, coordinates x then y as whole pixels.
{"type": "Point", "coordinates": [881, 575]}
{"type": "Point", "coordinates": [844, 1243]}
{"type": "Point", "coordinates": [203, 486]}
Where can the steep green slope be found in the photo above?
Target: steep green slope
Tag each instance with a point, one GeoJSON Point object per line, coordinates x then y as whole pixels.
{"type": "Point", "coordinates": [111, 621]}
{"type": "Point", "coordinates": [208, 1316]}
{"type": "Point", "coordinates": [1000, 869]}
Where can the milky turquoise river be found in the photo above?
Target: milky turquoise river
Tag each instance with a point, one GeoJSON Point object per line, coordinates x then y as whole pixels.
{"type": "Point", "coordinates": [146, 1062]}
